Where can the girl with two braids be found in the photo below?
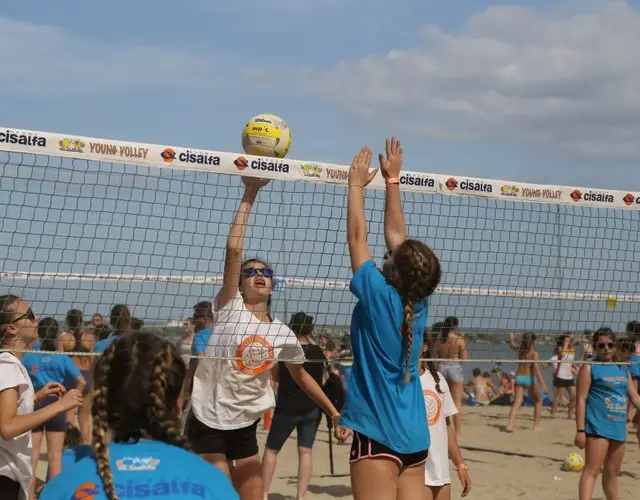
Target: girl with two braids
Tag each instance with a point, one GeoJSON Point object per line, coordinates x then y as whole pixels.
{"type": "Point", "coordinates": [137, 444]}
{"type": "Point", "coordinates": [384, 405]}
{"type": "Point", "coordinates": [441, 407]}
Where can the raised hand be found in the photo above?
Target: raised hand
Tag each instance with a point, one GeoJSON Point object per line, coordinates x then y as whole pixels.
{"type": "Point", "coordinates": [255, 183]}
{"type": "Point", "coordinates": [359, 174]}
{"type": "Point", "coordinates": [391, 165]}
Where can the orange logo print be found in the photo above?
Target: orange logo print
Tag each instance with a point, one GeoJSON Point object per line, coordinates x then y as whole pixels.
{"type": "Point", "coordinates": [255, 355]}
{"type": "Point", "coordinates": [241, 163]}
{"type": "Point", "coordinates": [451, 184]}
{"type": "Point", "coordinates": [434, 406]}
{"type": "Point", "coordinates": [168, 155]}
{"type": "Point", "coordinates": [86, 491]}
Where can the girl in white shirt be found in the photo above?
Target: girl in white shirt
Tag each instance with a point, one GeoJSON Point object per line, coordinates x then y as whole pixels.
{"type": "Point", "coordinates": [564, 373]}
{"type": "Point", "coordinates": [231, 387]}
{"type": "Point", "coordinates": [444, 446]}
{"type": "Point", "coordinates": [17, 418]}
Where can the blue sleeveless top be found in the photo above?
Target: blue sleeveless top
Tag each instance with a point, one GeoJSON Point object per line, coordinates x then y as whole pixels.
{"type": "Point", "coordinates": [606, 408]}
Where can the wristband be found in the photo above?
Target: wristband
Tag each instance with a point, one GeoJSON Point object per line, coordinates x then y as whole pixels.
{"type": "Point", "coordinates": [334, 417]}
{"type": "Point", "coordinates": [392, 180]}
{"type": "Point", "coordinates": [462, 466]}
{"type": "Point", "coordinates": [580, 431]}
{"type": "Point", "coordinates": [356, 186]}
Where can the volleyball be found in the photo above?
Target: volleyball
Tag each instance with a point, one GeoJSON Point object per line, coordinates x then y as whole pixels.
{"type": "Point", "coordinates": [574, 462]}
{"type": "Point", "coordinates": [266, 135]}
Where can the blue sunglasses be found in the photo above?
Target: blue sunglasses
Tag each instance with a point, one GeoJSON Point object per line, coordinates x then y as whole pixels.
{"type": "Point", "coordinates": [254, 271]}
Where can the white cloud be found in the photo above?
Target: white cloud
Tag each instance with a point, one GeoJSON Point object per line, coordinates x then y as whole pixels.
{"type": "Point", "coordinates": [566, 81]}
{"type": "Point", "coordinates": [45, 60]}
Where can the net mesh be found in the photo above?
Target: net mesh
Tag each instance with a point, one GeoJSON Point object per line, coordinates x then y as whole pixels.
{"type": "Point", "coordinates": [78, 233]}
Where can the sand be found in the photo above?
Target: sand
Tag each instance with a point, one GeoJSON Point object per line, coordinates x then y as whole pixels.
{"type": "Point", "coordinates": [524, 465]}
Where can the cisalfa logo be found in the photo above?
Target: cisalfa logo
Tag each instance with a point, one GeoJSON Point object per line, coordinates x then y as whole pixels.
{"type": "Point", "coordinates": [241, 163]}
{"type": "Point", "coordinates": [576, 195]}
{"type": "Point", "coordinates": [629, 199]}
{"type": "Point", "coordinates": [86, 491]}
{"type": "Point", "coordinates": [451, 184]}
{"type": "Point", "coordinates": [168, 155]}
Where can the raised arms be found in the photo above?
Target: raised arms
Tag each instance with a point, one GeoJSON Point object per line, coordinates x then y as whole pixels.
{"type": "Point", "coordinates": [395, 231]}
{"type": "Point", "coordinates": [235, 241]}
{"type": "Point", "coordinates": [359, 177]}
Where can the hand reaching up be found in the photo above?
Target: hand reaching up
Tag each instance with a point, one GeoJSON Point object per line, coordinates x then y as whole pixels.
{"type": "Point", "coordinates": [359, 174]}
{"type": "Point", "coordinates": [391, 165]}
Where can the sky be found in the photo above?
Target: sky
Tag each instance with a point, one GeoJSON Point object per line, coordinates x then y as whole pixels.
{"type": "Point", "coordinates": [535, 91]}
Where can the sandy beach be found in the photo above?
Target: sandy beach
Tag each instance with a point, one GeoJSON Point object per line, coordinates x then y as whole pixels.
{"type": "Point", "coordinates": [524, 465]}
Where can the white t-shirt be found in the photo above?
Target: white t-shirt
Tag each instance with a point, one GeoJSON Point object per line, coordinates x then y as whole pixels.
{"type": "Point", "coordinates": [232, 394]}
{"type": "Point", "coordinates": [564, 372]}
{"type": "Point", "coordinates": [439, 407]}
{"type": "Point", "coordinates": [15, 454]}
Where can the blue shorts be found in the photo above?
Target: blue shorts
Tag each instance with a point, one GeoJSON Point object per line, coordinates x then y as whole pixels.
{"type": "Point", "coordinates": [282, 426]}
{"type": "Point", "coordinates": [57, 423]}
{"type": "Point", "coordinates": [524, 381]}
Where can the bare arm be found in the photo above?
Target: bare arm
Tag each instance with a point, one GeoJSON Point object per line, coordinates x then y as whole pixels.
{"type": "Point", "coordinates": [12, 424]}
{"type": "Point", "coordinates": [359, 177]}
{"type": "Point", "coordinates": [235, 242]}
{"type": "Point", "coordinates": [634, 397]}
{"type": "Point", "coordinates": [462, 348]}
{"type": "Point", "coordinates": [582, 391]}
{"type": "Point", "coordinates": [311, 388]}
{"type": "Point", "coordinates": [538, 373]}
{"type": "Point", "coordinates": [513, 341]}
{"type": "Point", "coordinates": [454, 450]}
{"type": "Point", "coordinates": [395, 231]}
{"type": "Point", "coordinates": [81, 383]}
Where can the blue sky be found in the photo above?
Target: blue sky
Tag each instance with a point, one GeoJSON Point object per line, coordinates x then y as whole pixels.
{"type": "Point", "coordinates": [541, 91]}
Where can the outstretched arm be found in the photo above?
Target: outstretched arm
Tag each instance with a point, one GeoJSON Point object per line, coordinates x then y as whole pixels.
{"type": "Point", "coordinates": [235, 241]}
{"type": "Point", "coordinates": [395, 231]}
{"type": "Point", "coordinates": [359, 177]}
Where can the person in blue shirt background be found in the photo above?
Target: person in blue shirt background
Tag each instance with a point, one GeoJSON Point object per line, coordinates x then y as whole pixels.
{"type": "Point", "coordinates": [137, 403]}
{"type": "Point", "coordinates": [603, 392]}
{"type": "Point", "coordinates": [120, 319]}
{"type": "Point", "coordinates": [633, 330]}
{"type": "Point", "coordinates": [43, 369]}
{"type": "Point", "coordinates": [384, 405]}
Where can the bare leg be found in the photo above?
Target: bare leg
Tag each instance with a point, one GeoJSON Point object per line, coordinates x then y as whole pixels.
{"type": "Point", "coordinates": [517, 403]}
{"type": "Point", "coordinates": [595, 453]}
{"type": "Point", "coordinates": [612, 464]}
{"type": "Point", "coordinates": [305, 469]}
{"type": "Point", "coordinates": [534, 392]}
{"type": "Point", "coordinates": [411, 483]}
{"type": "Point", "coordinates": [377, 478]}
{"type": "Point", "coordinates": [269, 463]}
{"type": "Point", "coordinates": [572, 402]}
{"type": "Point", "coordinates": [247, 478]}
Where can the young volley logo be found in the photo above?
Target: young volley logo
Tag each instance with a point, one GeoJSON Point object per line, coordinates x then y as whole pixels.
{"type": "Point", "coordinates": [254, 355]}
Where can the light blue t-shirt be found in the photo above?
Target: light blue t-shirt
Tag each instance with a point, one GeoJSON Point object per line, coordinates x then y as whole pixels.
{"type": "Point", "coordinates": [146, 469]}
{"type": "Point", "coordinates": [45, 368]}
{"type": "Point", "coordinates": [200, 340]}
{"type": "Point", "coordinates": [101, 345]}
{"type": "Point", "coordinates": [379, 404]}
{"type": "Point", "coordinates": [606, 407]}
{"type": "Point", "coordinates": [36, 345]}
{"type": "Point", "coordinates": [634, 367]}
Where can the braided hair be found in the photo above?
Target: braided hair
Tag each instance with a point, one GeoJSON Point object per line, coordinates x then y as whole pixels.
{"type": "Point", "coordinates": [138, 381]}
{"type": "Point", "coordinates": [416, 275]}
{"type": "Point", "coordinates": [428, 352]}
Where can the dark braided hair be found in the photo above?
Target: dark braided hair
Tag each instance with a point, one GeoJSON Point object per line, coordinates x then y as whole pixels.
{"type": "Point", "coordinates": [416, 275]}
{"type": "Point", "coordinates": [138, 381]}
{"type": "Point", "coordinates": [428, 352]}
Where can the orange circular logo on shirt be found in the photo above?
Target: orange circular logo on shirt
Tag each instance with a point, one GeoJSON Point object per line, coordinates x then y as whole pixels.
{"type": "Point", "coordinates": [434, 406]}
{"type": "Point", "coordinates": [255, 355]}
{"type": "Point", "coordinates": [86, 491]}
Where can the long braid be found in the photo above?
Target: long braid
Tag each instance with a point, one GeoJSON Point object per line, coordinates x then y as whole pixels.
{"type": "Point", "coordinates": [164, 424]}
{"type": "Point", "coordinates": [407, 329]}
{"type": "Point", "coordinates": [100, 411]}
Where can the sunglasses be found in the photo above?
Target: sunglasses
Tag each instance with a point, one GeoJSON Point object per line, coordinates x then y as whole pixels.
{"type": "Point", "coordinates": [388, 254]}
{"type": "Point", "coordinates": [254, 271]}
{"type": "Point", "coordinates": [605, 345]}
{"type": "Point", "coordinates": [29, 315]}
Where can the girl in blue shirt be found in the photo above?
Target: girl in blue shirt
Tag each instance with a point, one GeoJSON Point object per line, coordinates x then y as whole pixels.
{"type": "Point", "coordinates": [384, 405]}
{"type": "Point", "coordinates": [601, 416]}
{"type": "Point", "coordinates": [43, 369]}
{"type": "Point", "coordinates": [137, 445]}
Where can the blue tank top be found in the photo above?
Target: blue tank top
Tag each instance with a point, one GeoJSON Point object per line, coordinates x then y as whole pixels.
{"type": "Point", "coordinates": [606, 408]}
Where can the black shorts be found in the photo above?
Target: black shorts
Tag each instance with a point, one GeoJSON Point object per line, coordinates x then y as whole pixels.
{"type": "Point", "coordinates": [57, 423]}
{"type": "Point", "coordinates": [562, 383]}
{"type": "Point", "coordinates": [363, 447]}
{"type": "Point", "coordinates": [282, 426]}
{"type": "Point", "coordinates": [9, 489]}
{"type": "Point", "coordinates": [234, 444]}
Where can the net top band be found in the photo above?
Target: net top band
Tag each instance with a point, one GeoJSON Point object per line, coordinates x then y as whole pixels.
{"type": "Point", "coordinates": [184, 158]}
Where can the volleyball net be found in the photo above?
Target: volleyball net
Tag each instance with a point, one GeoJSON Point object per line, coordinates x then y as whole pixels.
{"type": "Point", "coordinates": [88, 223]}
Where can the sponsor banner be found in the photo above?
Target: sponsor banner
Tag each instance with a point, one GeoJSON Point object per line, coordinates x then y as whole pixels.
{"type": "Point", "coordinates": [167, 156]}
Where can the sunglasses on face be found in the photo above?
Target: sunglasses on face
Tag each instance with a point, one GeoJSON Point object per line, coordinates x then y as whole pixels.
{"type": "Point", "coordinates": [254, 271]}
{"type": "Point", "coordinates": [29, 315]}
{"type": "Point", "coordinates": [605, 345]}
{"type": "Point", "coordinates": [388, 254]}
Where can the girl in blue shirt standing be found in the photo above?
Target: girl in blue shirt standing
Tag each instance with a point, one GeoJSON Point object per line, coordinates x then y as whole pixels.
{"type": "Point", "coordinates": [384, 405]}
{"type": "Point", "coordinates": [601, 416]}
{"type": "Point", "coordinates": [138, 449]}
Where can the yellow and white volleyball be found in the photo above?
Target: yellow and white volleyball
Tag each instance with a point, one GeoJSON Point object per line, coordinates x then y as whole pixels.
{"type": "Point", "coordinates": [573, 462]}
{"type": "Point", "coordinates": [266, 135]}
